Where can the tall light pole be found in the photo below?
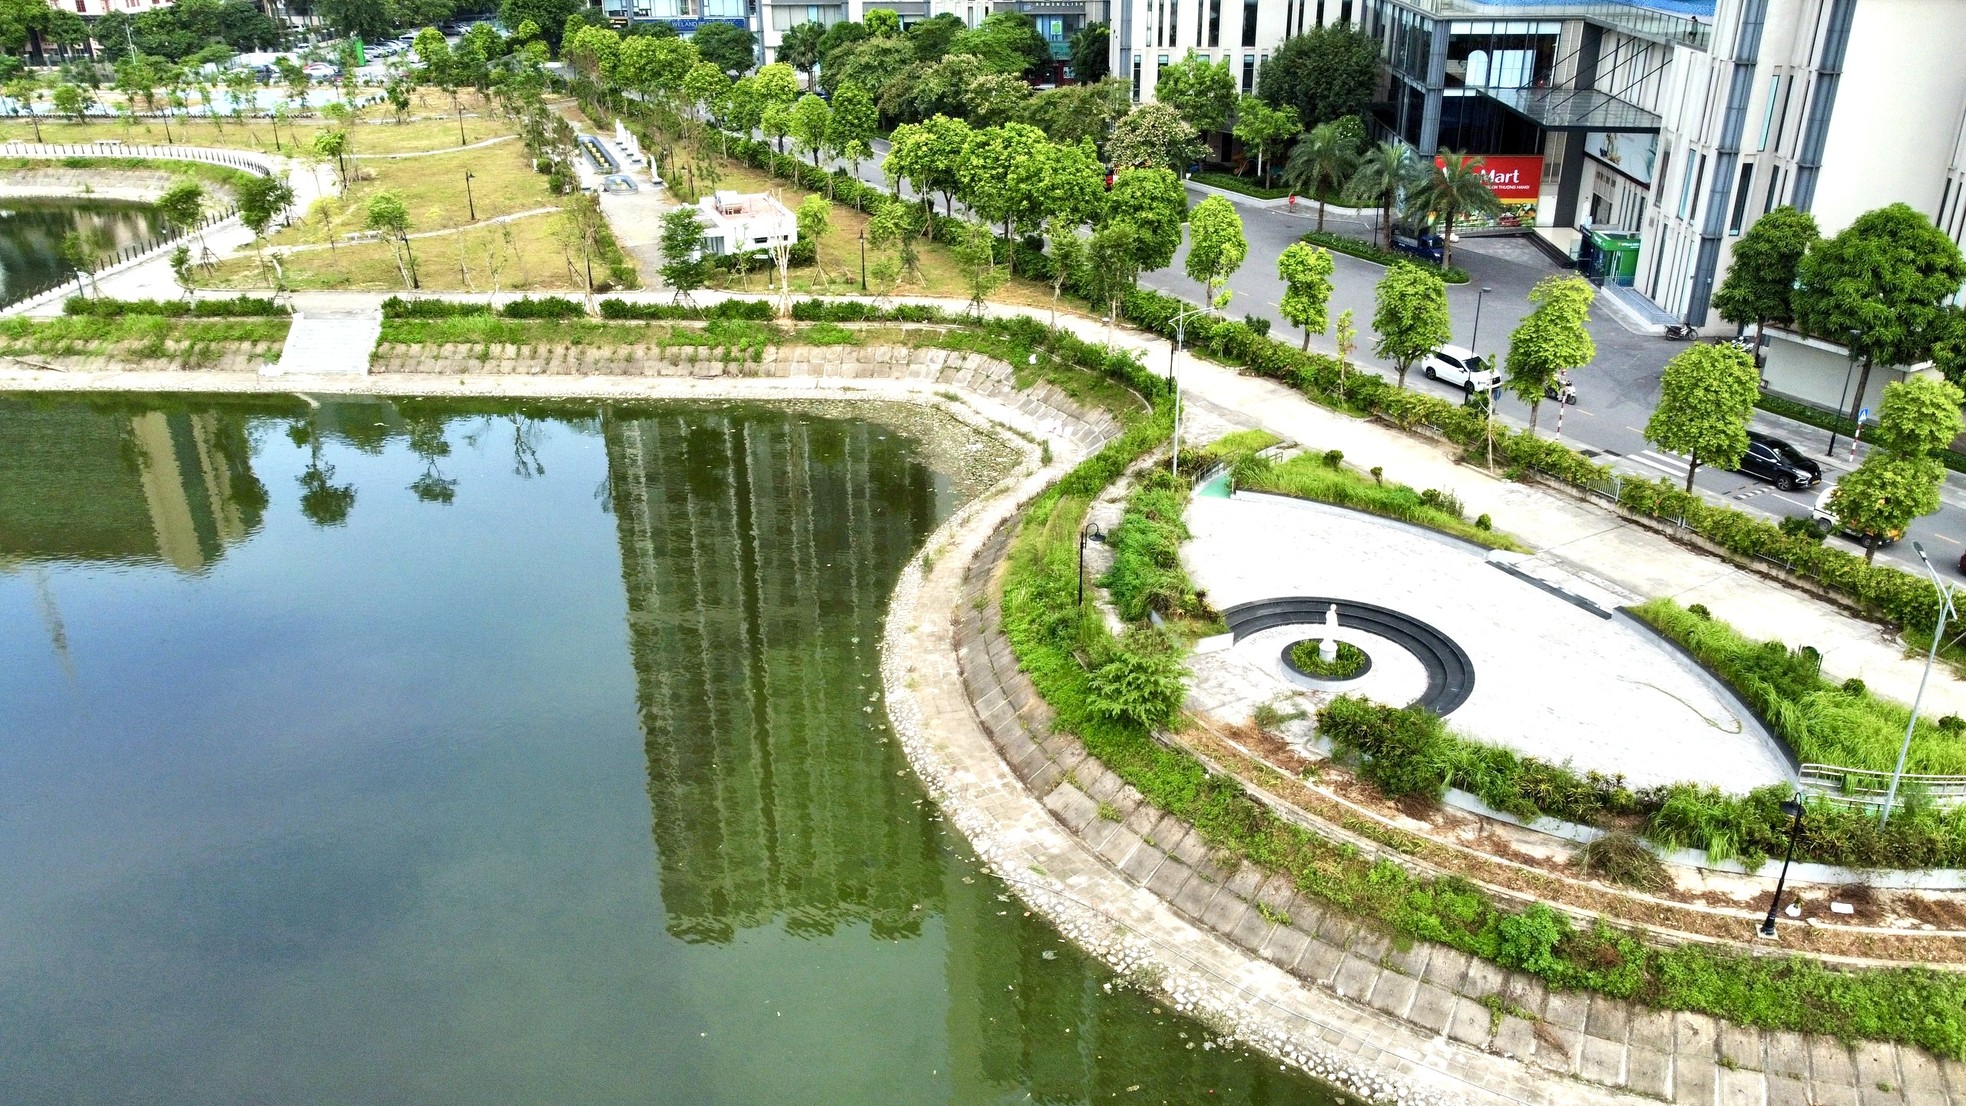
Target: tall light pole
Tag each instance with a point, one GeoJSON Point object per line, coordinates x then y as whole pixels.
{"type": "Point", "coordinates": [468, 199]}
{"type": "Point", "coordinates": [1092, 532]}
{"type": "Point", "coordinates": [1939, 631]}
{"type": "Point", "coordinates": [1474, 340]}
{"type": "Point", "coordinates": [1793, 808]}
{"type": "Point", "coordinates": [1847, 374]}
{"type": "Point", "coordinates": [1173, 355]}
{"type": "Point", "coordinates": [863, 261]}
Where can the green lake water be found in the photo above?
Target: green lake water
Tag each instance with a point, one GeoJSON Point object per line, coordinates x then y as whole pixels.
{"type": "Point", "coordinates": [373, 753]}
{"type": "Point", "coordinates": [31, 231]}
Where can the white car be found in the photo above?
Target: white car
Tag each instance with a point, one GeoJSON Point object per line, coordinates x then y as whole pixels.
{"type": "Point", "coordinates": [320, 71]}
{"type": "Point", "coordinates": [1826, 521]}
{"type": "Point", "coordinates": [1460, 366]}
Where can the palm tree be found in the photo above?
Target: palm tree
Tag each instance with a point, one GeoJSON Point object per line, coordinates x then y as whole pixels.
{"type": "Point", "coordinates": [1448, 189]}
{"type": "Point", "coordinates": [1325, 156]}
{"type": "Point", "coordinates": [1383, 172]}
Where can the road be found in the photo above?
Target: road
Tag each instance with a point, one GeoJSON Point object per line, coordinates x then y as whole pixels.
{"type": "Point", "coordinates": [1616, 392]}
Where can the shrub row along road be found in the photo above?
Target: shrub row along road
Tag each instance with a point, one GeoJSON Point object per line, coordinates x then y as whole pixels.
{"type": "Point", "coordinates": [1616, 393]}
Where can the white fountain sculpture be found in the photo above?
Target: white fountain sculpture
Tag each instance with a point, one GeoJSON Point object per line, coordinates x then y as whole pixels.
{"type": "Point", "coordinates": [1327, 650]}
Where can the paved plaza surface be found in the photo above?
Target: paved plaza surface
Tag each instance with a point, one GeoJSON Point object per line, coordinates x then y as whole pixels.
{"type": "Point", "coordinates": [1552, 679]}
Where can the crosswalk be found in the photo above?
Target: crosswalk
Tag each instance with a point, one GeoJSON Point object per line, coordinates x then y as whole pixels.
{"type": "Point", "coordinates": [1662, 460]}
{"type": "Point", "coordinates": [1653, 462]}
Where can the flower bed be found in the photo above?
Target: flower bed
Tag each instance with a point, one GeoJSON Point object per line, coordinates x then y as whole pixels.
{"type": "Point", "coordinates": [1348, 661]}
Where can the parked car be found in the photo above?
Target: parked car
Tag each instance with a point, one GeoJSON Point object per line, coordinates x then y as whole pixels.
{"type": "Point", "coordinates": [1779, 463]}
{"type": "Point", "coordinates": [1462, 366]}
{"type": "Point", "coordinates": [320, 71]}
{"type": "Point", "coordinates": [1826, 520]}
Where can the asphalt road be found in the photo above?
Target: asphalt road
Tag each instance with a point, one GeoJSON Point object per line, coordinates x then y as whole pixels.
{"type": "Point", "coordinates": [1616, 392]}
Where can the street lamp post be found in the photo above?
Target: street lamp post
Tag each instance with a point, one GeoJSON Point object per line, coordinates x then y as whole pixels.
{"type": "Point", "coordinates": [1474, 340]}
{"type": "Point", "coordinates": [1847, 374]}
{"type": "Point", "coordinates": [1173, 355]}
{"type": "Point", "coordinates": [1093, 532]}
{"type": "Point", "coordinates": [468, 199]}
{"type": "Point", "coordinates": [1793, 808]}
{"type": "Point", "coordinates": [863, 261]}
{"type": "Point", "coordinates": [1945, 611]}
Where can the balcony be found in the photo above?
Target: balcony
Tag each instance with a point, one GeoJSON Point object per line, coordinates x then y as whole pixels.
{"type": "Point", "coordinates": [1677, 22]}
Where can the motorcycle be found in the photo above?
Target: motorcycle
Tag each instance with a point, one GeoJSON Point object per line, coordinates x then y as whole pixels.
{"type": "Point", "coordinates": [1562, 391]}
{"type": "Point", "coordinates": [1680, 332]}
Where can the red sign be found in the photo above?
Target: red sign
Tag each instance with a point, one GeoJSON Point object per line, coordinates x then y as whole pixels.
{"type": "Point", "coordinates": [1514, 179]}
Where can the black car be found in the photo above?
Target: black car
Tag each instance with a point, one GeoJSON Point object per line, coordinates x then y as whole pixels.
{"type": "Point", "coordinates": [1779, 463]}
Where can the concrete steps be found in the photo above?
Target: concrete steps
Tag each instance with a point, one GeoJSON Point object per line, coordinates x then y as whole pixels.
{"type": "Point", "coordinates": [328, 343]}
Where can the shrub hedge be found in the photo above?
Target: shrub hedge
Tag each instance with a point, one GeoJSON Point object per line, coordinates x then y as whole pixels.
{"type": "Point", "coordinates": [1367, 251]}
{"type": "Point", "coordinates": [238, 307]}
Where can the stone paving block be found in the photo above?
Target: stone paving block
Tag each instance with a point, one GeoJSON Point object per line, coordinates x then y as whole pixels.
{"type": "Point", "coordinates": [1319, 963]}
{"type": "Point", "coordinates": [1483, 978]}
{"type": "Point", "coordinates": [1355, 977]}
{"type": "Point", "coordinates": [1191, 849]}
{"type": "Point", "coordinates": [1603, 1061]}
{"type": "Point", "coordinates": [1306, 913]}
{"type": "Point", "coordinates": [1557, 1049]}
{"type": "Point", "coordinates": [1285, 945]}
{"type": "Point", "coordinates": [1787, 1054]}
{"type": "Point", "coordinates": [1955, 1077]}
{"type": "Point", "coordinates": [1826, 1094]}
{"type": "Point", "coordinates": [1923, 1080]}
{"type": "Point", "coordinates": [1369, 944]}
{"type": "Point", "coordinates": [1168, 833]}
{"type": "Point", "coordinates": [1881, 1093]}
{"type": "Point", "coordinates": [1781, 1090]}
{"type": "Point", "coordinates": [1074, 808]}
{"type": "Point", "coordinates": [1097, 831]}
{"type": "Point", "coordinates": [1411, 960]}
{"type": "Point", "coordinates": [1742, 1047]}
{"type": "Point", "coordinates": [1829, 1063]}
{"type": "Point", "coordinates": [1609, 1019]}
{"type": "Point", "coordinates": [1446, 967]}
{"type": "Point", "coordinates": [1252, 930]}
{"type": "Point", "coordinates": [1526, 993]}
{"type": "Point", "coordinates": [1652, 1029]}
{"type": "Point", "coordinates": [1337, 930]}
{"type": "Point", "coordinates": [1694, 1081]}
{"type": "Point", "coordinates": [1433, 1007]}
{"type": "Point", "coordinates": [1140, 864]}
{"type": "Point", "coordinates": [1224, 911]}
{"type": "Point", "coordinates": [1246, 880]}
{"type": "Point", "coordinates": [1168, 878]}
{"type": "Point", "coordinates": [1648, 1071]}
{"type": "Point", "coordinates": [1276, 893]}
{"type": "Point", "coordinates": [1119, 845]}
{"type": "Point", "coordinates": [1695, 1036]}
{"type": "Point", "coordinates": [1567, 1009]}
{"type": "Point", "coordinates": [1877, 1071]}
{"type": "Point", "coordinates": [1393, 993]}
{"type": "Point", "coordinates": [1514, 1037]}
{"type": "Point", "coordinates": [1142, 820]}
{"type": "Point", "coordinates": [1471, 1022]}
{"type": "Point", "coordinates": [1194, 896]}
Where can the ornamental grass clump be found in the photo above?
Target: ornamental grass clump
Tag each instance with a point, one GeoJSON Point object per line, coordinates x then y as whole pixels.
{"type": "Point", "coordinates": [1621, 858]}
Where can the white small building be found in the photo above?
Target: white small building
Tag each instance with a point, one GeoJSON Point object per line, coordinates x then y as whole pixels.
{"type": "Point", "coordinates": [739, 222]}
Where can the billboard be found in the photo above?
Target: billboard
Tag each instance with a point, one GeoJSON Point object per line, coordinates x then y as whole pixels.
{"type": "Point", "coordinates": [1630, 154]}
{"type": "Point", "coordinates": [1514, 179]}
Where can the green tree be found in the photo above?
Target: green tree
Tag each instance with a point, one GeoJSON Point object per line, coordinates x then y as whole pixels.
{"type": "Point", "coordinates": [703, 86]}
{"type": "Point", "coordinates": [932, 37]}
{"type": "Point", "coordinates": [548, 18]}
{"type": "Point", "coordinates": [682, 251]}
{"type": "Point", "coordinates": [1090, 59]}
{"type": "Point", "coordinates": [1112, 269]}
{"type": "Point", "coordinates": [84, 251]}
{"type": "Point", "coordinates": [1706, 399]}
{"type": "Point", "coordinates": [1761, 278]}
{"type": "Point", "coordinates": [1325, 74]}
{"type": "Point", "coordinates": [261, 200]}
{"type": "Point", "coordinates": [799, 47]}
{"type": "Point", "coordinates": [1216, 247]}
{"type": "Point", "coordinates": [1553, 338]}
{"type": "Point", "coordinates": [855, 123]}
{"type": "Point", "coordinates": [1886, 277]}
{"type": "Point", "coordinates": [882, 23]}
{"type": "Point", "coordinates": [364, 19]}
{"type": "Point", "coordinates": [1076, 111]}
{"type": "Point", "coordinates": [1411, 317]}
{"type": "Point", "coordinates": [440, 66]}
{"type": "Point", "coordinates": [1321, 161]}
{"type": "Point", "coordinates": [1153, 136]}
{"type": "Point", "coordinates": [1152, 205]}
{"type": "Point", "coordinates": [776, 122]}
{"type": "Point", "coordinates": [1383, 172]}
{"type": "Point", "coordinates": [899, 224]}
{"type": "Point", "coordinates": [810, 122]}
{"type": "Point", "coordinates": [25, 92]}
{"type": "Point", "coordinates": [997, 172]}
{"type": "Point", "coordinates": [334, 144]}
{"type": "Point", "coordinates": [1899, 480]}
{"type": "Point", "coordinates": [1919, 417]}
{"type": "Point", "coordinates": [993, 99]}
{"type": "Point", "coordinates": [183, 203]}
{"type": "Point", "coordinates": [815, 218]}
{"type": "Point", "coordinates": [1007, 42]}
{"type": "Point", "coordinates": [1448, 189]}
{"type": "Point", "coordinates": [387, 214]}
{"type": "Point", "coordinates": [1262, 128]}
{"type": "Point", "coordinates": [1306, 272]}
{"type": "Point", "coordinates": [727, 46]}
{"type": "Point", "coordinates": [1203, 92]}
{"type": "Point", "coordinates": [976, 253]}
{"type": "Point", "coordinates": [929, 155]}
{"type": "Point", "coordinates": [71, 100]}
{"type": "Point", "coordinates": [1067, 249]}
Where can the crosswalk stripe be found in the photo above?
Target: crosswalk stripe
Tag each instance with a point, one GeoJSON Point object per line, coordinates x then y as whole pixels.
{"type": "Point", "coordinates": [1671, 463]}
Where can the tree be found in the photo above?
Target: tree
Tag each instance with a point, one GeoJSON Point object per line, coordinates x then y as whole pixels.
{"type": "Point", "coordinates": [1216, 247]}
{"type": "Point", "coordinates": [899, 224]}
{"type": "Point", "coordinates": [1112, 269]}
{"type": "Point", "coordinates": [1345, 337]}
{"type": "Point", "coordinates": [854, 125]}
{"type": "Point", "coordinates": [387, 214]}
{"type": "Point", "coordinates": [24, 92]}
{"type": "Point", "coordinates": [367, 20]}
{"type": "Point", "coordinates": [439, 65]}
{"type": "Point", "coordinates": [1383, 172]}
{"type": "Point", "coordinates": [991, 178]}
{"type": "Point", "coordinates": [776, 122]}
{"type": "Point", "coordinates": [1326, 74]}
{"type": "Point", "coordinates": [1076, 111]}
{"type": "Point", "coordinates": [71, 100]}
{"type": "Point", "coordinates": [1007, 42]}
{"type": "Point", "coordinates": [84, 250]}
{"type": "Point", "coordinates": [1706, 399]}
{"type": "Point", "coordinates": [1306, 272]}
{"type": "Point", "coordinates": [334, 144]}
{"type": "Point", "coordinates": [1153, 136]}
{"type": "Point", "coordinates": [882, 23]}
{"type": "Point", "coordinates": [1761, 278]}
{"type": "Point", "coordinates": [1448, 189]}
{"type": "Point", "coordinates": [183, 203]}
{"type": "Point", "coordinates": [727, 46]}
{"type": "Point", "coordinates": [548, 17]}
{"type": "Point", "coordinates": [1553, 338]}
{"type": "Point", "coordinates": [1411, 317]}
{"type": "Point", "coordinates": [261, 200]}
{"type": "Point", "coordinates": [1152, 205]}
{"type": "Point", "coordinates": [703, 86]}
{"type": "Point", "coordinates": [872, 64]}
{"type": "Point", "coordinates": [809, 122]}
{"type": "Point", "coordinates": [976, 253]}
{"type": "Point", "coordinates": [815, 217]}
{"type": "Point", "coordinates": [931, 38]}
{"type": "Point", "coordinates": [1321, 160]}
{"type": "Point", "coordinates": [1203, 92]}
{"type": "Point", "coordinates": [1886, 277]}
{"type": "Point", "coordinates": [1090, 59]}
{"type": "Point", "coordinates": [1899, 480]}
{"type": "Point", "coordinates": [776, 83]}
{"type": "Point", "coordinates": [682, 251]}
{"type": "Point", "coordinates": [929, 155]}
{"type": "Point", "coordinates": [799, 48]}
{"type": "Point", "coordinates": [1262, 128]}
{"type": "Point", "coordinates": [1067, 249]}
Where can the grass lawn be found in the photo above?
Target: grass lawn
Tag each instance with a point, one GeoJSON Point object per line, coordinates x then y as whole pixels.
{"type": "Point", "coordinates": [432, 188]}
{"type": "Point", "coordinates": [1309, 476]}
{"type": "Point", "coordinates": [430, 128]}
{"type": "Point", "coordinates": [531, 260]}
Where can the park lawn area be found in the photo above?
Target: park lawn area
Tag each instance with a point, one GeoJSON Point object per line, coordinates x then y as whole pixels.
{"type": "Point", "coordinates": [533, 261]}
{"type": "Point", "coordinates": [431, 127]}
{"type": "Point", "coordinates": [432, 189]}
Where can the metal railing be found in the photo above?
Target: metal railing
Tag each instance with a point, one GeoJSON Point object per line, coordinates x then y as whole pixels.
{"type": "Point", "coordinates": [1866, 787]}
{"type": "Point", "coordinates": [117, 148]}
{"type": "Point", "coordinates": [78, 283]}
{"type": "Point", "coordinates": [1687, 22]}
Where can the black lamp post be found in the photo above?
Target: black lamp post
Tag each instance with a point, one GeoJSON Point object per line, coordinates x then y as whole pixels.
{"type": "Point", "coordinates": [1792, 808]}
{"type": "Point", "coordinates": [1847, 373]}
{"type": "Point", "coordinates": [1096, 534]}
{"type": "Point", "coordinates": [468, 199]}
{"type": "Point", "coordinates": [863, 261]}
{"type": "Point", "coordinates": [1475, 338]}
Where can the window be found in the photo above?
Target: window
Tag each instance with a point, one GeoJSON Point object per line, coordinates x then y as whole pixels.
{"type": "Point", "coordinates": [1345, 12]}
{"type": "Point", "coordinates": [1214, 23]}
{"type": "Point", "coordinates": [1249, 22]}
{"type": "Point", "coordinates": [1136, 78]}
{"type": "Point", "coordinates": [1248, 74]}
{"type": "Point", "coordinates": [1741, 199]}
{"type": "Point", "coordinates": [1768, 117]}
{"type": "Point", "coordinates": [1320, 13]}
{"type": "Point", "coordinates": [1686, 186]}
{"type": "Point", "coordinates": [1774, 190]}
{"type": "Point", "coordinates": [1173, 24]}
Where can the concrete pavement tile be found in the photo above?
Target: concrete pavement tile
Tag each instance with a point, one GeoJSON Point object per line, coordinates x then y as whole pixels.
{"type": "Point", "coordinates": [1140, 864]}
{"type": "Point", "coordinates": [1252, 930]}
{"type": "Point", "coordinates": [1878, 1078]}
{"type": "Point", "coordinates": [1515, 1037]}
{"type": "Point", "coordinates": [1369, 944]}
{"type": "Point", "coordinates": [1446, 967]}
{"type": "Point", "coordinates": [1194, 896]}
{"type": "Point", "coordinates": [1923, 1081]}
{"type": "Point", "coordinates": [1783, 1091]}
{"type": "Point", "coordinates": [1557, 1048]}
{"type": "Point", "coordinates": [1787, 1054]}
{"type": "Point", "coordinates": [1483, 978]}
{"type": "Point", "coordinates": [1284, 945]}
{"type": "Point", "coordinates": [1355, 978]}
{"type": "Point", "coordinates": [1830, 1063]}
{"type": "Point", "coordinates": [1168, 879]}
{"type": "Point", "coordinates": [1433, 1007]}
{"type": "Point", "coordinates": [1319, 963]}
{"type": "Point", "coordinates": [1694, 1081]}
{"type": "Point", "coordinates": [1603, 1061]}
{"type": "Point", "coordinates": [1567, 1009]}
{"type": "Point", "coordinates": [1276, 892]}
{"type": "Point", "coordinates": [1652, 1029]}
{"type": "Point", "coordinates": [1955, 1076]}
{"type": "Point", "coordinates": [1648, 1071]}
{"type": "Point", "coordinates": [1742, 1046]}
{"type": "Point", "coordinates": [1609, 1019]}
{"type": "Point", "coordinates": [1412, 960]}
{"type": "Point", "coordinates": [1393, 993]}
{"type": "Point", "coordinates": [1224, 911]}
{"type": "Point", "coordinates": [1337, 929]}
{"type": "Point", "coordinates": [1824, 1094]}
{"type": "Point", "coordinates": [1118, 845]}
{"type": "Point", "coordinates": [1192, 848]}
{"type": "Point", "coordinates": [1247, 879]}
{"type": "Point", "coordinates": [1471, 1023]}
{"type": "Point", "coordinates": [1526, 993]}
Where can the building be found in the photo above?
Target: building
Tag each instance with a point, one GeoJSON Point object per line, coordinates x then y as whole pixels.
{"type": "Point", "coordinates": [735, 222]}
{"type": "Point", "coordinates": [93, 8]}
{"type": "Point", "coordinates": [1148, 35]}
